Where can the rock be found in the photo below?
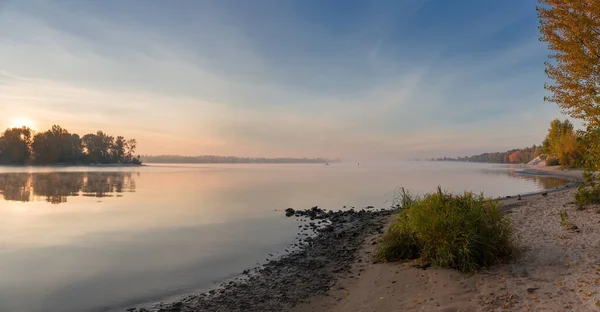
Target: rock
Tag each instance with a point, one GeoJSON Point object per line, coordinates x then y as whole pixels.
{"type": "Point", "coordinates": [290, 210]}
{"type": "Point", "coordinates": [532, 289]}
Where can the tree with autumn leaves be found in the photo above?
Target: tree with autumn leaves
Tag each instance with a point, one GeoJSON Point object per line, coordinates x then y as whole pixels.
{"type": "Point", "coordinates": [562, 144]}
{"type": "Point", "coordinates": [571, 28]}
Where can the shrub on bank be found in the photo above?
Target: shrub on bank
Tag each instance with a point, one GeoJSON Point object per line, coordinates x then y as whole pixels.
{"type": "Point", "coordinates": [399, 242]}
{"type": "Point", "coordinates": [552, 162]}
{"type": "Point", "coordinates": [588, 195]}
{"type": "Point", "coordinates": [463, 232]}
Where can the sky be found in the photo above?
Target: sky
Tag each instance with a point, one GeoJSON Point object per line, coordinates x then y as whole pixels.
{"type": "Point", "coordinates": [275, 78]}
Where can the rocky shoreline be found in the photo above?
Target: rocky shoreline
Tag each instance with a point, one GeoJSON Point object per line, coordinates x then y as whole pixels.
{"type": "Point", "coordinates": [311, 268]}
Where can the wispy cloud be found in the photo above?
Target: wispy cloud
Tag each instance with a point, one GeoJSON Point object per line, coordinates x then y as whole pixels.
{"type": "Point", "coordinates": [277, 78]}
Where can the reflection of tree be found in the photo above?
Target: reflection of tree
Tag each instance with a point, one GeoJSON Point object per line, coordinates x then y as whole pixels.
{"type": "Point", "coordinates": [56, 187]}
{"type": "Point", "coordinates": [550, 182]}
{"type": "Point", "coordinates": [15, 186]}
{"type": "Point", "coordinates": [102, 184]}
{"type": "Point", "coordinates": [546, 182]}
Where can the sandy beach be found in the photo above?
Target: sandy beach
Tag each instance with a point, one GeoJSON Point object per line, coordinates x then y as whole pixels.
{"type": "Point", "coordinates": [558, 269]}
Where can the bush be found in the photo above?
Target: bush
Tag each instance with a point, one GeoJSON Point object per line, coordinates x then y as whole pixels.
{"type": "Point", "coordinates": [399, 242]}
{"type": "Point", "coordinates": [588, 195]}
{"type": "Point", "coordinates": [552, 162]}
{"type": "Point", "coordinates": [463, 232]}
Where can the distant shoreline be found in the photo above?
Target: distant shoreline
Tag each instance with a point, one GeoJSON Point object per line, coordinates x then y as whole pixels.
{"type": "Point", "coordinates": [213, 159]}
{"type": "Point", "coordinates": [222, 163]}
{"type": "Point", "coordinates": [233, 163]}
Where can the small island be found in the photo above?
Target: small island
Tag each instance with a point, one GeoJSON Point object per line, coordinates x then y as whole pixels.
{"type": "Point", "coordinates": [22, 146]}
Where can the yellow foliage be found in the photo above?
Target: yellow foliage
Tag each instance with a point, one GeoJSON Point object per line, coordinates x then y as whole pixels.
{"type": "Point", "coordinates": [572, 30]}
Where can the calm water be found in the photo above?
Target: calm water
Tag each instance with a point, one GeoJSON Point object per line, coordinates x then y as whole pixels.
{"type": "Point", "coordinates": [101, 239]}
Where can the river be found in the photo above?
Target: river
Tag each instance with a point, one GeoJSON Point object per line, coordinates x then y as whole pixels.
{"type": "Point", "coordinates": [107, 238]}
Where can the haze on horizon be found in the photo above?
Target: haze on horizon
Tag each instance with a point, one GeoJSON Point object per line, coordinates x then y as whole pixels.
{"type": "Point", "coordinates": [348, 79]}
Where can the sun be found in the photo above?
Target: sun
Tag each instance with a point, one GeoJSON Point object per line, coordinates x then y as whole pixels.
{"type": "Point", "coordinates": [19, 122]}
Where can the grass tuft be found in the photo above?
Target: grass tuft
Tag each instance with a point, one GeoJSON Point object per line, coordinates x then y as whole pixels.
{"type": "Point", "coordinates": [399, 242]}
{"type": "Point", "coordinates": [564, 220]}
{"type": "Point", "coordinates": [464, 232]}
{"type": "Point", "coordinates": [402, 198]}
{"type": "Point", "coordinates": [587, 195]}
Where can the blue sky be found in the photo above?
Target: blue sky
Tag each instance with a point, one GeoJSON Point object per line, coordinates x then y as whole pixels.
{"type": "Point", "coordinates": [350, 79]}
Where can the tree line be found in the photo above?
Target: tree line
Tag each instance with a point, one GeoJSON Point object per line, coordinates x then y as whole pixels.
{"type": "Point", "coordinates": [562, 146]}
{"type": "Point", "coordinates": [22, 146]}
{"type": "Point", "coordinates": [211, 159]}
{"type": "Point", "coordinates": [513, 156]}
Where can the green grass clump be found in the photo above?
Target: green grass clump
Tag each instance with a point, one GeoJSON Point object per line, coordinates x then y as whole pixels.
{"type": "Point", "coordinates": [564, 219]}
{"type": "Point", "coordinates": [588, 195]}
{"type": "Point", "coordinates": [463, 232]}
{"type": "Point", "coordinates": [399, 242]}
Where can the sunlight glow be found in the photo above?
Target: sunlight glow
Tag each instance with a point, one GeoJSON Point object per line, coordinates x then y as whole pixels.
{"type": "Point", "coordinates": [18, 122]}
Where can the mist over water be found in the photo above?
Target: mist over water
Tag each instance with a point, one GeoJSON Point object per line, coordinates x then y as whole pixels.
{"type": "Point", "coordinates": [100, 239]}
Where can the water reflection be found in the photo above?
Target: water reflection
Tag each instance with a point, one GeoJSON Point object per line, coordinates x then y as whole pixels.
{"type": "Point", "coordinates": [217, 219]}
{"type": "Point", "coordinates": [545, 182]}
{"type": "Point", "coordinates": [56, 187]}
